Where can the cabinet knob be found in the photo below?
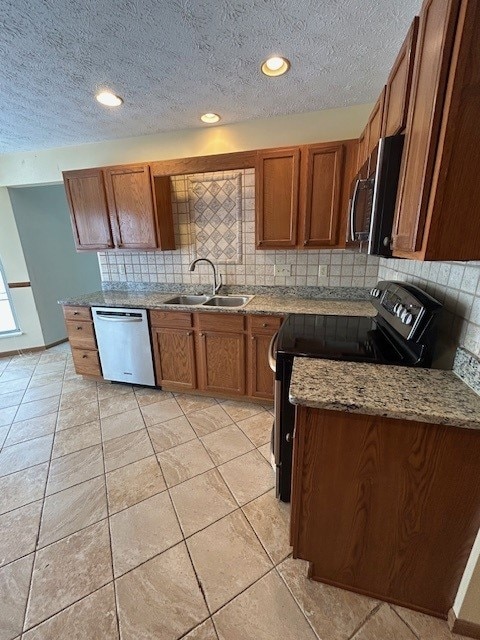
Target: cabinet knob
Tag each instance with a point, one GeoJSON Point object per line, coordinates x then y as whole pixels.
{"type": "Point", "coordinates": [75, 313]}
{"type": "Point", "coordinates": [84, 355]}
{"type": "Point", "coordinates": [79, 328]}
{"type": "Point", "coordinates": [264, 324]}
{"type": "Point", "coordinates": [202, 335]}
{"type": "Point", "coordinates": [189, 333]}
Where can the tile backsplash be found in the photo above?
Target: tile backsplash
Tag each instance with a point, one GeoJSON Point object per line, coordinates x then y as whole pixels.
{"type": "Point", "coordinates": [454, 284]}
{"type": "Point", "coordinates": [240, 263]}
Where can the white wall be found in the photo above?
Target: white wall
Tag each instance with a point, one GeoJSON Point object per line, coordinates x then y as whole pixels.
{"type": "Point", "coordinates": [13, 260]}
{"type": "Point", "coordinates": [45, 166]}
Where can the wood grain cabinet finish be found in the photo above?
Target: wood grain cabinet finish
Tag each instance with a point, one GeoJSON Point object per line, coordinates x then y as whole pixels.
{"type": "Point", "coordinates": [397, 94]}
{"type": "Point", "coordinates": [277, 175]}
{"type": "Point", "coordinates": [81, 336]}
{"type": "Point", "coordinates": [174, 356]}
{"type": "Point", "coordinates": [385, 507]}
{"type": "Point", "coordinates": [372, 133]}
{"type": "Point", "coordinates": [221, 353]}
{"type": "Point", "coordinates": [133, 207]}
{"type": "Point", "coordinates": [302, 195]}
{"type": "Point", "coordinates": [87, 200]}
{"type": "Point", "coordinates": [260, 377]}
{"type": "Point", "coordinates": [437, 205]}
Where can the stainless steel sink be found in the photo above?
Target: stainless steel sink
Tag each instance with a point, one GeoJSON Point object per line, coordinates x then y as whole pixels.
{"type": "Point", "coordinates": [187, 300]}
{"type": "Point", "coordinates": [227, 301]}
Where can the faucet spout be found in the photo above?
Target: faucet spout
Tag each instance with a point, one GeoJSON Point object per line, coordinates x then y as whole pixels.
{"type": "Point", "coordinates": [217, 278]}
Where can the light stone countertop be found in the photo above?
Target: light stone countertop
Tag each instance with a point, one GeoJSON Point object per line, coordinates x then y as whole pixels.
{"type": "Point", "coordinates": [260, 304]}
{"type": "Point", "coordinates": [408, 393]}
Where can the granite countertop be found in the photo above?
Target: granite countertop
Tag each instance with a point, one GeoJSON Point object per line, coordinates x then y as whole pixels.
{"type": "Point", "coordinates": [425, 395]}
{"type": "Point", "coordinates": [260, 304]}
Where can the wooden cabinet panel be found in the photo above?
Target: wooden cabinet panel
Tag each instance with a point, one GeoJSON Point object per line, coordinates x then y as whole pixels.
{"type": "Point", "coordinates": [362, 156]}
{"type": "Point", "coordinates": [399, 83]}
{"type": "Point", "coordinates": [87, 362]}
{"type": "Point", "coordinates": [174, 352]}
{"type": "Point", "coordinates": [220, 321]}
{"type": "Point", "coordinates": [173, 319]}
{"type": "Point", "coordinates": [264, 324]}
{"type": "Point", "coordinates": [77, 313]}
{"type": "Point", "coordinates": [221, 362]}
{"type": "Point", "coordinates": [131, 206]}
{"type": "Point", "coordinates": [435, 41]}
{"type": "Point", "coordinates": [276, 198]}
{"type": "Point", "coordinates": [375, 123]}
{"type": "Point", "coordinates": [81, 335]}
{"type": "Point", "coordinates": [322, 168]}
{"type": "Point", "coordinates": [88, 209]}
{"type": "Point", "coordinates": [385, 507]}
{"type": "Point", "coordinates": [261, 379]}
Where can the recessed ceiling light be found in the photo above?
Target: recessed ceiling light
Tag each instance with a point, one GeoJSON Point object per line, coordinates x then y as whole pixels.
{"type": "Point", "coordinates": [210, 118]}
{"type": "Point", "coordinates": [109, 99]}
{"type": "Point", "coordinates": [275, 66]}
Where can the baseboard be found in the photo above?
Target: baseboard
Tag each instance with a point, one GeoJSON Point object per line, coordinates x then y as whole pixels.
{"type": "Point", "coordinates": [463, 627]}
{"type": "Point", "coordinates": [16, 352]}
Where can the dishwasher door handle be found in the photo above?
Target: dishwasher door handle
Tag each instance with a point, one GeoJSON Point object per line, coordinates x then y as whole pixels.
{"type": "Point", "coordinates": [118, 318]}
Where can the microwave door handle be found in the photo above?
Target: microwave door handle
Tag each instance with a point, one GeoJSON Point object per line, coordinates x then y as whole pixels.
{"type": "Point", "coordinates": [353, 204]}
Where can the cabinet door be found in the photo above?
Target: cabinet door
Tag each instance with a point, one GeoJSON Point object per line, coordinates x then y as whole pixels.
{"type": "Point", "coordinates": [131, 206]}
{"type": "Point", "coordinates": [261, 378]}
{"type": "Point", "coordinates": [88, 209]}
{"type": "Point", "coordinates": [362, 148]}
{"type": "Point", "coordinates": [375, 123]}
{"type": "Point", "coordinates": [174, 352]}
{"type": "Point", "coordinates": [399, 84]}
{"type": "Point", "coordinates": [221, 362]}
{"type": "Point", "coordinates": [322, 172]}
{"type": "Point", "coordinates": [276, 198]}
{"type": "Point", "coordinates": [435, 41]}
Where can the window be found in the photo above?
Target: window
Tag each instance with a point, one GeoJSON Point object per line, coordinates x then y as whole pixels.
{"type": "Point", "coordinates": [8, 321]}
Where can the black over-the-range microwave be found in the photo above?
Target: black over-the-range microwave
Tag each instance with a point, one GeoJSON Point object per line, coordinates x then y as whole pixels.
{"type": "Point", "coordinates": [373, 197]}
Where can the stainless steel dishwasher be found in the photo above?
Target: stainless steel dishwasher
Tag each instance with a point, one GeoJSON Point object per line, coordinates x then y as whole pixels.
{"type": "Point", "coordinates": [124, 345]}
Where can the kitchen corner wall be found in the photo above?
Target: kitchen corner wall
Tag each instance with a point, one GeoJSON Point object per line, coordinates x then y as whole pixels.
{"type": "Point", "coordinates": [454, 284]}
{"type": "Point", "coordinates": [248, 266]}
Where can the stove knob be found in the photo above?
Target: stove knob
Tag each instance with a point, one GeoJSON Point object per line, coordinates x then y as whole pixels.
{"type": "Point", "coordinates": [400, 310]}
{"type": "Point", "coordinates": [375, 293]}
{"type": "Point", "coordinates": [407, 318]}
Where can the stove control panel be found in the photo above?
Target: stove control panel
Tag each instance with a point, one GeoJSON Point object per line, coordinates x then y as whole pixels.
{"type": "Point", "coordinates": [400, 307]}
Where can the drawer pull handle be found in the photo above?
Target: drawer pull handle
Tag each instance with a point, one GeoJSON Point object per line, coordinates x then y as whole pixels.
{"type": "Point", "coordinates": [75, 313]}
{"type": "Point", "coordinates": [79, 328]}
{"type": "Point", "coordinates": [84, 355]}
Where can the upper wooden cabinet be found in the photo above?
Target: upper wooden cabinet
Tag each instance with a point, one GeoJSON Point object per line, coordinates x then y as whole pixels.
{"type": "Point", "coordinates": [89, 210]}
{"type": "Point", "coordinates": [120, 207]}
{"type": "Point", "coordinates": [397, 94]}
{"type": "Point", "coordinates": [277, 175]}
{"type": "Point", "coordinates": [439, 192]}
{"type": "Point", "coordinates": [371, 134]}
{"type": "Point", "coordinates": [301, 195]}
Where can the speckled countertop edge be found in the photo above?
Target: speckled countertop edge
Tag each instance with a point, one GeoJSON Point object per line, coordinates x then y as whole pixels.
{"type": "Point", "coordinates": [259, 304]}
{"type": "Point", "coordinates": [424, 395]}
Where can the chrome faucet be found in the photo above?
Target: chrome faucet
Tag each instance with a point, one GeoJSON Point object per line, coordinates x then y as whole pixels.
{"type": "Point", "coordinates": [217, 280]}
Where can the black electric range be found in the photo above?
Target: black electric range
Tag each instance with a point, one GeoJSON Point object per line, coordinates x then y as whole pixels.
{"type": "Point", "coordinates": [402, 333]}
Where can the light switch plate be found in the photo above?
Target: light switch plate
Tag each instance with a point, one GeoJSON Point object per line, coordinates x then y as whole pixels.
{"type": "Point", "coordinates": [323, 271]}
{"type": "Point", "coordinates": [282, 270]}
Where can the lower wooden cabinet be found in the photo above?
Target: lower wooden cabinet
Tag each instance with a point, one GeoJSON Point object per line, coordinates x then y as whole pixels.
{"type": "Point", "coordinates": [81, 336]}
{"type": "Point", "coordinates": [260, 377]}
{"type": "Point", "coordinates": [221, 362]}
{"type": "Point", "coordinates": [174, 352]}
{"type": "Point", "coordinates": [385, 507]}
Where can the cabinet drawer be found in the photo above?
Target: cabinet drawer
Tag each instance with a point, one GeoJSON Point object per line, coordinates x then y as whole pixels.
{"type": "Point", "coordinates": [220, 322]}
{"type": "Point", "coordinates": [86, 362]}
{"type": "Point", "coordinates": [77, 313]}
{"type": "Point", "coordinates": [81, 335]}
{"type": "Point", "coordinates": [171, 319]}
{"type": "Point", "coordinates": [264, 324]}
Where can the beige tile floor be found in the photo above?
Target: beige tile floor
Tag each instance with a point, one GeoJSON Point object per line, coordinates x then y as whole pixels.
{"type": "Point", "coordinates": [138, 514]}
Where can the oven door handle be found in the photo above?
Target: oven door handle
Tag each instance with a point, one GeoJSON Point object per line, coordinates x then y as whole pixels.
{"type": "Point", "coordinates": [272, 349]}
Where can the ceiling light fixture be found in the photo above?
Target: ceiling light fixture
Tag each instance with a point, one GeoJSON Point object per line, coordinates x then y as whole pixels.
{"type": "Point", "coordinates": [109, 99]}
{"type": "Point", "coordinates": [210, 118]}
{"type": "Point", "coordinates": [275, 66]}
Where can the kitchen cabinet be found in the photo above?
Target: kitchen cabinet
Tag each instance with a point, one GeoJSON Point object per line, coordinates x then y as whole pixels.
{"type": "Point", "coordinates": [87, 199]}
{"type": "Point", "coordinates": [372, 133]}
{"type": "Point", "coordinates": [174, 350]}
{"type": "Point", "coordinates": [385, 507]}
{"type": "Point", "coordinates": [260, 377]}
{"type": "Point", "coordinates": [120, 208]}
{"type": "Point", "coordinates": [439, 191]}
{"type": "Point", "coordinates": [221, 353]}
{"type": "Point", "coordinates": [301, 195]}
{"type": "Point", "coordinates": [81, 336]}
{"type": "Point", "coordinates": [397, 94]}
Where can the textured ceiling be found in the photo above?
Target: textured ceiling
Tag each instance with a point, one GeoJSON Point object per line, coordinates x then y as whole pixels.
{"type": "Point", "coordinates": [173, 60]}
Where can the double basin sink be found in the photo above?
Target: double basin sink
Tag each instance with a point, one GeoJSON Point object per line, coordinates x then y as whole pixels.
{"type": "Point", "coordinates": [210, 301]}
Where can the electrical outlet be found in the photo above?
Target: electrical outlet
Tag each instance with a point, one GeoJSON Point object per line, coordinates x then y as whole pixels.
{"type": "Point", "coordinates": [282, 270]}
{"type": "Point", "coordinates": [323, 271]}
